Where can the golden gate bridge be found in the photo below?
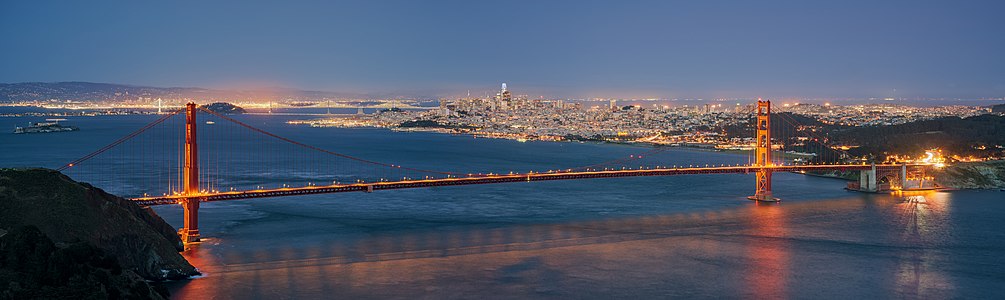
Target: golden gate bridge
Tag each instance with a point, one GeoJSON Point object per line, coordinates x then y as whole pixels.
{"type": "Point", "coordinates": [193, 172]}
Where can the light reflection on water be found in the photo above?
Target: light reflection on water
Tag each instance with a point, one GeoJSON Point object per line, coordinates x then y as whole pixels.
{"type": "Point", "coordinates": [924, 221]}
{"type": "Point", "coordinates": [769, 269]}
{"type": "Point", "coordinates": [756, 251]}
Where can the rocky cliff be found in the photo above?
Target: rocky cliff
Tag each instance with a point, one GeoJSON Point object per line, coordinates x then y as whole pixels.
{"type": "Point", "coordinates": [980, 175]}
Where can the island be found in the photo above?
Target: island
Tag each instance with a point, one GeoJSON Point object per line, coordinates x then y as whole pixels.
{"type": "Point", "coordinates": [224, 108]}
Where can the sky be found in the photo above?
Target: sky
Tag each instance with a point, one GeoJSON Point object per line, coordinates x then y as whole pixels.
{"type": "Point", "coordinates": [630, 49]}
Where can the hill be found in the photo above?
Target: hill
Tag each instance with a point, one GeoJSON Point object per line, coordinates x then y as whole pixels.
{"type": "Point", "coordinates": [980, 136]}
{"type": "Point", "coordinates": [69, 212]}
{"type": "Point", "coordinates": [90, 91]}
{"type": "Point", "coordinates": [32, 266]}
{"type": "Point", "coordinates": [1000, 108]}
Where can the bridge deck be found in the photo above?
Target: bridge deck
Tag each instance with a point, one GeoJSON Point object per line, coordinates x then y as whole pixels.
{"type": "Point", "coordinates": [485, 179]}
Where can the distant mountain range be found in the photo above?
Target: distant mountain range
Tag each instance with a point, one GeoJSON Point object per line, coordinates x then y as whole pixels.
{"type": "Point", "coordinates": [90, 91]}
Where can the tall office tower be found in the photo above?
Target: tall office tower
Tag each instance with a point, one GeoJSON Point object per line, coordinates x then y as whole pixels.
{"type": "Point", "coordinates": [504, 98]}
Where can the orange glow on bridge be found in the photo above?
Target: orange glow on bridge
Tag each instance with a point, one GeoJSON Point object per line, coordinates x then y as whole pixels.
{"type": "Point", "coordinates": [486, 179]}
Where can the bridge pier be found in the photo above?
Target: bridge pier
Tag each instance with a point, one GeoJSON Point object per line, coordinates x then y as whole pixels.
{"type": "Point", "coordinates": [903, 176]}
{"type": "Point", "coordinates": [189, 233]}
{"type": "Point", "coordinates": [867, 181]}
{"type": "Point", "coordinates": [763, 191]}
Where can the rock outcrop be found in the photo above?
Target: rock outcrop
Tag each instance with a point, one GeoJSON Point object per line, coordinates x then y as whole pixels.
{"type": "Point", "coordinates": [980, 175]}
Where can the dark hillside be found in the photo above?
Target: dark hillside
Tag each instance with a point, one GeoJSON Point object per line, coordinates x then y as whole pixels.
{"type": "Point", "coordinates": [979, 136]}
{"type": "Point", "coordinates": [67, 212]}
{"type": "Point", "coordinates": [32, 266]}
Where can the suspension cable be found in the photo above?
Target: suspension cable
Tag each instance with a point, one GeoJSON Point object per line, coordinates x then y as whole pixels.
{"type": "Point", "coordinates": [315, 148]}
{"type": "Point", "coordinates": [119, 141]}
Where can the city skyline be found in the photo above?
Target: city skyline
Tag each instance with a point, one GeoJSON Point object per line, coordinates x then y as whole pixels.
{"type": "Point", "coordinates": [561, 149]}
{"type": "Point", "coordinates": [555, 49]}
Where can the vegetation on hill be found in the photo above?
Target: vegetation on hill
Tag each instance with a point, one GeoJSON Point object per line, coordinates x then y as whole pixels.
{"type": "Point", "coordinates": [978, 136]}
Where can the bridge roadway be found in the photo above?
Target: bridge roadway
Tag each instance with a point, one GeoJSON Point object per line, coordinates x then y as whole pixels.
{"type": "Point", "coordinates": [485, 179]}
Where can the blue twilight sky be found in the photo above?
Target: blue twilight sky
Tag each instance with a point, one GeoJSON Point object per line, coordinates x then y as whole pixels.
{"type": "Point", "coordinates": [553, 48]}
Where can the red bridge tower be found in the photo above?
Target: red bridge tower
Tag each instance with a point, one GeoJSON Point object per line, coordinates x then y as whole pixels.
{"type": "Point", "coordinates": [189, 232]}
{"type": "Point", "coordinates": [762, 153]}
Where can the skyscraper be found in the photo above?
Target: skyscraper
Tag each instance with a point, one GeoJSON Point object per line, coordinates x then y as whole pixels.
{"type": "Point", "coordinates": [504, 98]}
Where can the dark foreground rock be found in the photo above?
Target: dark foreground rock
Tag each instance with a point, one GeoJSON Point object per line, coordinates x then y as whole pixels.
{"type": "Point", "coordinates": [71, 214]}
{"type": "Point", "coordinates": [32, 266]}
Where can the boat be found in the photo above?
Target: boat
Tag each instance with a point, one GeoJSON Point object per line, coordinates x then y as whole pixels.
{"type": "Point", "coordinates": [49, 126]}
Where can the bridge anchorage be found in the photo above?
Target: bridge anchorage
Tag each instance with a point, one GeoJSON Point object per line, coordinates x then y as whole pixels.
{"type": "Point", "coordinates": [179, 160]}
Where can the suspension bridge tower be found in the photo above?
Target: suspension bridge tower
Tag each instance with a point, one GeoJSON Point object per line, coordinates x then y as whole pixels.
{"type": "Point", "coordinates": [189, 232]}
{"type": "Point", "coordinates": [762, 153]}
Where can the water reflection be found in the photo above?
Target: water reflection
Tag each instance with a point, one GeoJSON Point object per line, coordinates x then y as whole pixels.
{"type": "Point", "coordinates": [750, 252]}
{"type": "Point", "coordinates": [544, 257]}
{"type": "Point", "coordinates": [924, 220]}
{"type": "Point", "coordinates": [769, 269]}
